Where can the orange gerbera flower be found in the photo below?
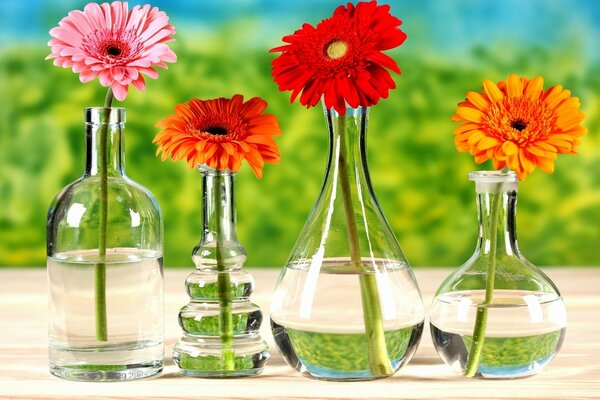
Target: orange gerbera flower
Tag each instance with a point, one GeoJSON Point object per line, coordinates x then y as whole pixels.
{"type": "Point", "coordinates": [519, 125]}
{"type": "Point", "coordinates": [220, 133]}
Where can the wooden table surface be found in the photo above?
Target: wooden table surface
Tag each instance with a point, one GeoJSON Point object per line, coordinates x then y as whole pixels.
{"type": "Point", "coordinates": [573, 374]}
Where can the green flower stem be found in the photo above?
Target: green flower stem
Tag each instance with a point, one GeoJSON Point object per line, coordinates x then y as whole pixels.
{"type": "Point", "coordinates": [223, 289]}
{"type": "Point", "coordinates": [379, 363]}
{"type": "Point", "coordinates": [482, 312]}
{"type": "Point", "coordinates": [100, 273]}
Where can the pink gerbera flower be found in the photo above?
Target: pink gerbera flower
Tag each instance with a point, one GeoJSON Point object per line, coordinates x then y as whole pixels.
{"type": "Point", "coordinates": [113, 43]}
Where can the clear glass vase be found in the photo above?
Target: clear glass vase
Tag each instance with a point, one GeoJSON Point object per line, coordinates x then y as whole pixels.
{"type": "Point", "coordinates": [105, 247]}
{"type": "Point", "coordinates": [221, 326]}
{"type": "Point", "coordinates": [498, 316]}
{"type": "Point", "coordinates": [347, 306]}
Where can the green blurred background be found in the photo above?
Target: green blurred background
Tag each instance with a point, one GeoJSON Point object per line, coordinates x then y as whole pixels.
{"type": "Point", "coordinates": [418, 176]}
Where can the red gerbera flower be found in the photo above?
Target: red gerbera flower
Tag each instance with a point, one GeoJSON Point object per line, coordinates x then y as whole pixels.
{"type": "Point", "coordinates": [220, 133]}
{"type": "Point", "coordinates": [342, 59]}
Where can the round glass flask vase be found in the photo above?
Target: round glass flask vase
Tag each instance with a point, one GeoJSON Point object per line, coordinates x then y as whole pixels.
{"type": "Point", "coordinates": [105, 248]}
{"type": "Point", "coordinates": [347, 306]}
{"type": "Point", "coordinates": [498, 316]}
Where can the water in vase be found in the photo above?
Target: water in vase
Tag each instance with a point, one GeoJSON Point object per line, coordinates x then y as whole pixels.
{"type": "Point", "coordinates": [318, 324]}
{"type": "Point", "coordinates": [134, 345]}
{"type": "Point", "coordinates": [524, 331]}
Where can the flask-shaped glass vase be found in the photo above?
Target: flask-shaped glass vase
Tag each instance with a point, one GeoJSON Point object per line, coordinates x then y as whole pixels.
{"type": "Point", "coordinates": [498, 316]}
{"type": "Point", "coordinates": [347, 306]}
{"type": "Point", "coordinates": [221, 326]}
{"type": "Point", "coordinates": [105, 248]}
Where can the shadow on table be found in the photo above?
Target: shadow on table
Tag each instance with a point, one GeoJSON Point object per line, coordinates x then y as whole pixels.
{"type": "Point", "coordinates": [277, 368]}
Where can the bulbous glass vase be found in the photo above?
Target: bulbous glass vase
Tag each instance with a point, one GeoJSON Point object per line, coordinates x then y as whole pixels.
{"type": "Point", "coordinates": [347, 306]}
{"type": "Point", "coordinates": [105, 248]}
{"type": "Point", "coordinates": [497, 316]}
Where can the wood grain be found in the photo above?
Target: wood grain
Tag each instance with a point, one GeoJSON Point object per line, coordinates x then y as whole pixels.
{"type": "Point", "coordinates": [574, 374]}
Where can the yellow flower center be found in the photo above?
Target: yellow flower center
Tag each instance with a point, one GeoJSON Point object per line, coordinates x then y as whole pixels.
{"type": "Point", "coordinates": [337, 49]}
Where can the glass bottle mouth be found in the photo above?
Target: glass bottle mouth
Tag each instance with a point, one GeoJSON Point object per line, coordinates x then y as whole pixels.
{"type": "Point", "coordinates": [206, 170]}
{"type": "Point", "coordinates": [350, 111]}
{"type": "Point", "coordinates": [494, 181]}
{"type": "Point", "coordinates": [95, 115]}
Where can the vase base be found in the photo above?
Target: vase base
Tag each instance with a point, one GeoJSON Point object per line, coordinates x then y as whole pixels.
{"type": "Point", "coordinates": [340, 356]}
{"type": "Point", "coordinates": [518, 342]}
{"type": "Point", "coordinates": [211, 367]}
{"type": "Point", "coordinates": [221, 374]}
{"type": "Point", "coordinates": [110, 362]}
{"type": "Point", "coordinates": [106, 373]}
{"type": "Point", "coordinates": [204, 357]}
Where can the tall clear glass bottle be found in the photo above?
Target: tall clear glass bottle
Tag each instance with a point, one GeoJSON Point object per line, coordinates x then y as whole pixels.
{"type": "Point", "coordinates": [347, 306]}
{"type": "Point", "coordinates": [105, 248]}
{"type": "Point", "coordinates": [221, 326]}
{"type": "Point", "coordinates": [498, 316]}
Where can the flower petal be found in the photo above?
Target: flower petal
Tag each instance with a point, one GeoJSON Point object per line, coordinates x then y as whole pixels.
{"type": "Point", "coordinates": [534, 88]}
{"type": "Point", "coordinates": [478, 101]}
{"type": "Point", "coordinates": [509, 148]}
{"type": "Point", "coordinates": [514, 86]}
{"type": "Point", "coordinates": [470, 114]}
{"type": "Point", "coordinates": [120, 91]}
{"type": "Point", "coordinates": [492, 91]}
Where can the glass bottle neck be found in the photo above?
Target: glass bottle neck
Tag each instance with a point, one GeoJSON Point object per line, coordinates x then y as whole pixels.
{"type": "Point", "coordinates": [496, 205]}
{"type": "Point", "coordinates": [347, 138]}
{"type": "Point", "coordinates": [104, 141]}
{"type": "Point", "coordinates": [218, 248]}
{"type": "Point", "coordinates": [346, 224]}
{"type": "Point", "coordinates": [218, 210]}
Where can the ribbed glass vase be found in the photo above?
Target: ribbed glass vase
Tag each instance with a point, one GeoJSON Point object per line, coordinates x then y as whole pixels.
{"type": "Point", "coordinates": [221, 326]}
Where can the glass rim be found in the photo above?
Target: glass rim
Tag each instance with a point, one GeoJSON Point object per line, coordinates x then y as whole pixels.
{"type": "Point", "coordinates": [206, 170]}
{"type": "Point", "coordinates": [93, 115]}
{"type": "Point", "coordinates": [493, 176]}
{"type": "Point", "coordinates": [350, 111]}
